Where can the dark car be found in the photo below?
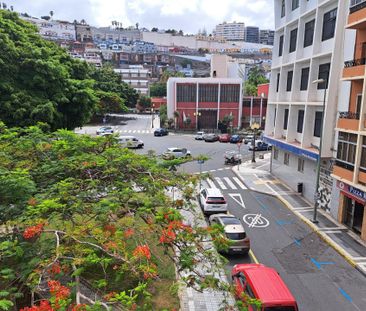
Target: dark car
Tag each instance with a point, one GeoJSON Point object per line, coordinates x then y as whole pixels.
{"type": "Point", "coordinates": [260, 146]}
{"type": "Point", "coordinates": [161, 132]}
{"type": "Point", "coordinates": [210, 138]}
{"type": "Point", "coordinates": [235, 139]}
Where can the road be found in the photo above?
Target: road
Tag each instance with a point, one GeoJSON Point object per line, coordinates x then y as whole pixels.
{"type": "Point", "coordinates": [316, 274]}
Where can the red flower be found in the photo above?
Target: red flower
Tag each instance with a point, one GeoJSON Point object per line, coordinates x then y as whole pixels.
{"type": "Point", "coordinates": [80, 307]}
{"type": "Point", "coordinates": [110, 228]}
{"type": "Point", "coordinates": [55, 269]}
{"type": "Point", "coordinates": [44, 305]}
{"type": "Point", "coordinates": [168, 236]}
{"type": "Point", "coordinates": [109, 296]}
{"type": "Point", "coordinates": [32, 231]}
{"type": "Point", "coordinates": [142, 251]}
{"type": "Point", "coordinates": [129, 232]}
{"type": "Point", "coordinates": [61, 292]}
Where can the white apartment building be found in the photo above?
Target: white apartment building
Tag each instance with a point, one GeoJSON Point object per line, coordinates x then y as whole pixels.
{"type": "Point", "coordinates": [309, 36]}
{"type": "Point", "coordinates": [137, 77]}
{"type": "Point", "coordinates": [230, 31]}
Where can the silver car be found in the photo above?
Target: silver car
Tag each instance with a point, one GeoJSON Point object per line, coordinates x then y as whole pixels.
{"type": "Point", "coordinates": [234, 231]}
{"type": "Point", "coordinates": [173, 153]}
{"type": "Point", "coordinates": [199, 135]}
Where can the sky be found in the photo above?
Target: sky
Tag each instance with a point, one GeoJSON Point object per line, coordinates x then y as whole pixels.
{"type": "Point", "coordinates": [187, 15]}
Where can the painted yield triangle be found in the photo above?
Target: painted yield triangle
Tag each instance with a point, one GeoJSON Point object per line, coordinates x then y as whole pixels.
{"type": "Point", "coordinates": [237, 198]}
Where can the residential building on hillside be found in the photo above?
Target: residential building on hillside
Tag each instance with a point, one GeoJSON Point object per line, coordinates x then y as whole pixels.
{"type": "Point", "coordinates": [308, 46]}
{"type": "Point", "coordinates": [203, 102]}
{"type": "Point", "coordinates": [143, 47]}
{"type": "Point", "coordinates": [83, 33]}
{"type": "Point", "coordinates": [349, 171]}
{"type": "Point", "coordinates": [137, 77]}
{"type": "Point", "coordinates": [266, 36]}
{"type": "Point", "coordinates": [251, 34]}
{"type": "Point", "coordinates": [53, 29]}
{"type": "Point", "coordinates": [109, 35]}
{"type": "Point", "coordinates": [230, 31]}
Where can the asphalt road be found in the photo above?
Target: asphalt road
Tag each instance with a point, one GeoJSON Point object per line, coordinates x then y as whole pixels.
{"type": "Point", "coordinates": [319, 278]}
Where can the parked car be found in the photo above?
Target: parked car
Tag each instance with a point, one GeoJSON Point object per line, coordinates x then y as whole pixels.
{"type": "Point", "coordinates": [199, 135]}
{"type": "Point", "coordinates": [105, 130]}
{"type": "Point", "coordinates": [210, 138]}
{"type": "Point", "coordinates": [235, 139]}
{"type": "Point", "coordinates": [161, 132]}
{"type": "Point", "coordinates": [260, 146]}
{"type": "Point", "coordinates": [248, 139]}
{"type": "Point", "coordinates": [130, 142]}
{"type": "Point", "coordinates": [173, 153]}
{"type": "Point", "coordinates": [234, 232]}
{"type": "Point", "coordinates": [232, 157]}
{"type": "Point", "coordinates": [224, 138]}
{"type": "Point", "coordinates": [212, 201]}
{"type": "Point", "coordinates": [265, 284]}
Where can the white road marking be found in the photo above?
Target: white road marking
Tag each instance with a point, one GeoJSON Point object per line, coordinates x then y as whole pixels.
{"type": "Point", "coordinates": [329, 229]}
{"type": "Point", "coordinates": [238, 199]}
{"type": "Point", "coordinates": [255, 220]}
{"type": "Point", "coordinates": [229, 182]}
{"type": "Point", "coordinates": [221, 184]}
{"type": "Point", "coordinates": [134, 131]}
{"type": "Point", "coordinates": [238, 181]}
{"type": "Point", "coordinates": [359, 258]}
{"type": "Point", "coordinates": [130, 131]}
{"type": "Point", "coordinates": [211, 183]}
{"type": "Point", "coordinates": [220, 169]}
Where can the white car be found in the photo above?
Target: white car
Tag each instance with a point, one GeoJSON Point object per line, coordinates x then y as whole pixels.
{"type": "Point", "coordinates": [105, 130]}
{"type": "Point", "coordinates": [173, 153]}
{"type": "Point", "coordinates": [199, 135]}
{"type": "Point", "coordinates": [212, 201]}
{"type": "Point", "coordinates": [130, 142]}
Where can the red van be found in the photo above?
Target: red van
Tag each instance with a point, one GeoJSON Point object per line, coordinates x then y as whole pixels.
{"type": "Point", "coordinates": [265, 284]}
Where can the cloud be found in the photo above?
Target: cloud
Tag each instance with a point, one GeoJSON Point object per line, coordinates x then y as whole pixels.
{"type": "Point", "coordinates": [188, 15]}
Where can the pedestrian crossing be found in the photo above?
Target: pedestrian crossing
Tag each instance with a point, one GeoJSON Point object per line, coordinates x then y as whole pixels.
{"type": "Point", "coordinates": [135, 131]}
{"type": "Point", "coordinates": [224, 183]}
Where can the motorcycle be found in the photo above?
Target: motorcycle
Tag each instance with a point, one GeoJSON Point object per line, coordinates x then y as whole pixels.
{"type": "Point", "coordinates": [232, 157]}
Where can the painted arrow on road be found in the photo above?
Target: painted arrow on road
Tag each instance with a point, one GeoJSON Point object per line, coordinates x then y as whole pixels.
{"type": "Point", "coordinates": [319, 264]}
{"type": "Point", "coordinates": [238, 199]}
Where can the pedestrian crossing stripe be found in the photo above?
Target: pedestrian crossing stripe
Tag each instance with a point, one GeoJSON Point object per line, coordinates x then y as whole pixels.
{"type": "Point", "coordinates": [224, 183]}
{"type": "Point", "coordinates": [135, 131]}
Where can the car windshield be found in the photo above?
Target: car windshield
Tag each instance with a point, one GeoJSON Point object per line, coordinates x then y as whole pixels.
{"type": "Point", "coordinates": [236, 236]}
{"type": "Point", "coordinates": [216, 199]}
{"type": "Point", "coordinates": [230, 221]}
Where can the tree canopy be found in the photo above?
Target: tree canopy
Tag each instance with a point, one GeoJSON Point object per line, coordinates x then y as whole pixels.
{"type": "Point", "coordinates": [255, 77]}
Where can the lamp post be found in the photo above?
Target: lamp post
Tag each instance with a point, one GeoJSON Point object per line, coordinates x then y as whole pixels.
{"type": "Point", "coordinates": [197, 115]}
{"type": "Point", "coordinates": [261, 109]}
{"type": "Point", "coordinates": [255, 126]}
{"type": "Point", "coordinates": [152, 115]}
{"type": "Point", "coordinates": [316, 195]}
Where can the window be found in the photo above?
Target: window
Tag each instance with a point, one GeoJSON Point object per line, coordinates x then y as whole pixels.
{"type": "Point", "coordinates": [285, 120]}
{"type": "Point", "coordinates": [230, 93]}
{"type": "Point", "coordinates": [323, 74]}
{"type": "Point", "coordinates": [283, 8]}
{"type": "Point", "coordinates": [309, 33]}
{"type": "Point", "coordinates": [280, 46]}
{"type": "Point", "coordinates": [363, 155]}
{"type": "Point", "coordinates": [346, 151]}
{"type": "Point", "coordinates": [300, 165]}
{"type": "Point", "coordinates": [318, 123]}
{"type": "Point", "coordinates": [186, 93]}
{"type": "Point", "coordinates": [275, 153]}
{"type": "Point", "coordinates": [289, 81]}
{"type": "Point", "coordinates": [293, 39]}
{"type": "Point", "coordinates": [329, 22]}
{"type": "Point", "coordinates": [295, 4]}
{"type": "Point", "coordinates": [300, 121]}
{"type": "Point", "coordinates": [286, 158]}
{"type": "Point", "coordinates": [304, 79]}
{"type": "Point", "coordinates": [278, 82]}
{"type": "Point", "coordinates": [208, 93]}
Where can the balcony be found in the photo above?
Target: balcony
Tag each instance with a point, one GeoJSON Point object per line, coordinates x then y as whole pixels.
{"type": "Point", "coordinates": [357, 14]}
{"type": "Point", "coordinates": [348, 120]}
{"type": "Point", "coordinates": [344, 173]}
{"type": "Point", "coordinates": [354, 68]}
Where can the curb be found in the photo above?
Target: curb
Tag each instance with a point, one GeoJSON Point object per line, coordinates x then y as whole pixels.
{"type": "Point", "coordinates": [322, 235]}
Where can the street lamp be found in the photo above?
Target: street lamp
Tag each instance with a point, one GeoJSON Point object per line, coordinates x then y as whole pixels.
{"type": "Point", "coordinates": [152, 115]}
{"type": "Point", "coordinates": [197, 115]}
{"type": "Point", "coordinates": [255, 126]}
{"type": "Point", "coordinates": [316, 195]}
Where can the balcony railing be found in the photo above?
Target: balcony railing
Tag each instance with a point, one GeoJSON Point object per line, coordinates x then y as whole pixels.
{"type": "Point", "coordinates": [349, 115]}
{"type": "Point", "coordinates": [355, 62]}
{"type": "Point", "coordinates": [357, 5]}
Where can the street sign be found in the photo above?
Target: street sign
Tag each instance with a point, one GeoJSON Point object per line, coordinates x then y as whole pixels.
{"type": "Point", "coordinates": [201, 161]}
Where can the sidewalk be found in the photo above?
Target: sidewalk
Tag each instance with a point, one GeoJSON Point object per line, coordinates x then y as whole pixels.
{"type": "Point", "coordinates": [257, 177]}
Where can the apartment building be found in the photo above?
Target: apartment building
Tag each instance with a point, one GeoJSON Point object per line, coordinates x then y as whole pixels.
{"type": "Point", "coordinates": [137, 77]}
{"type": "Point", "coordinates": [204, 101]}
{"type": "Point", "coordinates": [266, 36]}
{"type": "Point", "coordinates": [251, 34]}
{"type": "Point", "coordinates": [308, 46]}
{"type": "Point", "coordinates": [230, 31]}
{"type": "Point", "coordinates": [349, 171]}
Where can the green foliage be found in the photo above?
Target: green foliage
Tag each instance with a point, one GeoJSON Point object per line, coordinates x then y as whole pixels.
{"type": "Point", "coordinates": [144, 102]}
{"type": "Point", "coordinates": [158, 89]}
{"type": "Point", "coordinates": [255, 77]}
{"type": "Point", "coordinates": [163, 113]}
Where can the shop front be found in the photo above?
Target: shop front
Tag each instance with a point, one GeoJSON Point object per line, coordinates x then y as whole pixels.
{"type": "Point", "coordinates": [352, 212]}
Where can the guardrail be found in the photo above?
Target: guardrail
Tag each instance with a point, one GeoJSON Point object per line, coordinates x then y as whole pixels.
{"type": "Point", "coordinates": [355, 62]}
{"type": "Point", "coordinates": [349, 115]}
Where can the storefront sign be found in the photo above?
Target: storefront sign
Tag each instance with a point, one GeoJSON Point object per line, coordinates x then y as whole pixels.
{"type": "Point", "coordinates": [357, 193]}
